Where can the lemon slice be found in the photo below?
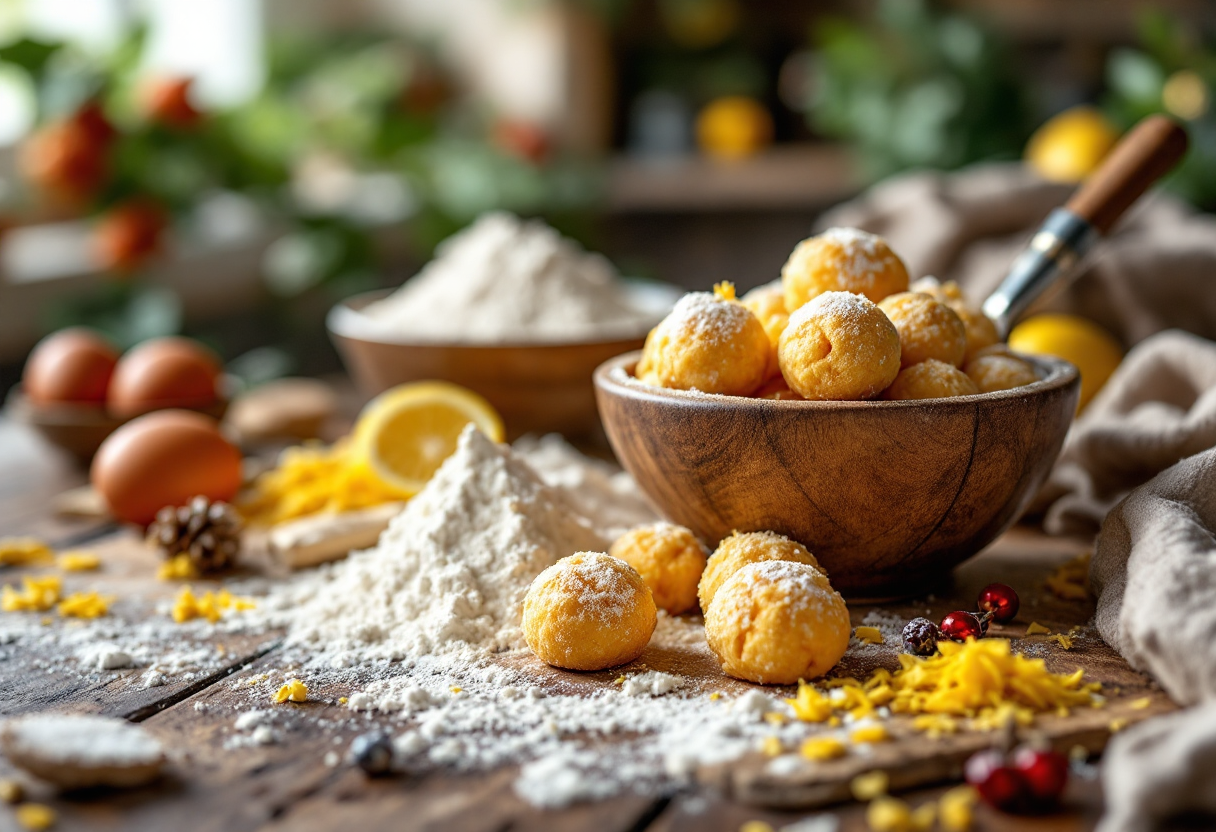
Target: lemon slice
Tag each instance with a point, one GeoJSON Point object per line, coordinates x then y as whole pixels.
{"type": "Point", "coordinates": [404, 434]}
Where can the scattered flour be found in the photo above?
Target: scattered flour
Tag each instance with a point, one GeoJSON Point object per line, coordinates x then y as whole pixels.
{"type": "Point", "coordinates": [508, 280]}
{"type": "Point", "coordinates": [651, 683]}
{"type": "Point", "coordinates": [74, 739]}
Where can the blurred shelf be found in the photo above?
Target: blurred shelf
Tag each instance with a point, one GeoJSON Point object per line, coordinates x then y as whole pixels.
{"type": "Point", "coordinates": [781, 178]}
{"type": "Point", "coordinates": [1086, 21]}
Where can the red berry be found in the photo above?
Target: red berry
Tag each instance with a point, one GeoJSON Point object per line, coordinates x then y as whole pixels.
{"type": "Point", "coordinates": [1044, 771]}
{"type": "Point", "coordinates": [168, 101]}
{"type": "Point", "coordinates": [1000, 600]}
{"type": "Point", "coordinates": [1001, 786]}
{"type": "Point", "coordinates": [129, 234]}
{"type": "Point", "coordinates": [960, 626]}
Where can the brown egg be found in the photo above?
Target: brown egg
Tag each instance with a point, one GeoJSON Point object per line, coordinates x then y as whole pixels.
{"type": "Point", "coordinates": [161, 373]}
{"type": "Point", "coordinates": [164, 459]}
{"type": "Point", "coordinates": [72, 365]}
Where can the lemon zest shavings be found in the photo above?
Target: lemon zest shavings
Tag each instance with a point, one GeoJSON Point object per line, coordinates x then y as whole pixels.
{"type": "Point", "coordinates": [869, 786]}
{"type": "Point", "coordinates": [35, 816]}
{"type": "Point", "coordinates": [869, 733]}
{"type": "Point", "coordinates": [1068, 581]}
{"type": "Point", "coordinates": [85, 605]}
{"type": "Point", "coordinates": [823, 748]}
{"type": "Point", "coordinates": [771, 746]}
{"type": "Point", "coordinates": [78, 560]}
{"type": "Point", "coordinates": [35, 595]}
{"type": "Point", "coordinates": [1141, 703]}
{"type": "Point", "coordinates": [293, 691]}
{"type": "Point", "coordinates": [178, 568]}
{"type": "Point", "coordinates": [210, 605]}
{"type": "Point", "coordinates": [1037, 629]}
{"type": "Point", "coordinates": [24, 551]}
{"type": "Point", "coordinates": [868, 635]}
{"type": "Point", "coordinates": [1118, 724]}
{"type": "Point", "coordinates": [724, 290]}
{"type": "Point", "coordinates": [955, 809]}
{"type": "Point", "coordinates": [1064, 641]}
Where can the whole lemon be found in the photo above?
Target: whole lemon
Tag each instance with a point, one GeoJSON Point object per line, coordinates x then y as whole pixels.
{"type": "Point", "coordinates": [1089, 347]}
{"type": "Point", "coordinates": [733, 127]}
{"type": "Point", "coordinates": [1069, 146]}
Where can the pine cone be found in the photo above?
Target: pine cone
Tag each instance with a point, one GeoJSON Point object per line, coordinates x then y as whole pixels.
{"type": "Point", "coordinates": [208, 532]}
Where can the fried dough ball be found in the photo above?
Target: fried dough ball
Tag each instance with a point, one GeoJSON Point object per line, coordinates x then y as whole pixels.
{"type": "Point", "coordinates": [742, 548]}
{"type": "Point", "coordinates": [588, 611]}
{"type": "Point", "coordinates": [670, 560]}
{"type": "Point", "coordinates": [839, 346]}
{"type": "Point", "coordinates": [981, 331]}
{"type": "Point", "coordinates": [710, 343]}
{"type": "Point", "coordinates": [767, 303]}
{"type": "Point", "coordinates": [996, 368]}
{"type": "Point", "coordinates": [842, 260]}
{"type": "Point", "coordinates": [930, 379]}
{"type": "Point", "coordinates": [776, 622]}
{"type": "Point", "coordinates": [777, 389]}
{"type": "Point", "coordinates": [927, 329]}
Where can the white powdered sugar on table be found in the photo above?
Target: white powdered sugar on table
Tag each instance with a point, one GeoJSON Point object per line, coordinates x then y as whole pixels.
{"type": "Point", "coordinates": [508, 280]}
{"type": "Point", "coordinates": [77, 739]}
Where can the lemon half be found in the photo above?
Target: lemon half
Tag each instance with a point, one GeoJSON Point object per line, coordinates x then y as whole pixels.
{"type": "Point", "coordinates": [405, 434]}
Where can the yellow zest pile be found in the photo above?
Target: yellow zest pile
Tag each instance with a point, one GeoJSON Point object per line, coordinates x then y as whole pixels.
{"type": "Point", "coordinates": [24, 551]}
{"type": "Point", "coordinates": [869, 733]}
{"type": "Point", "coordinates": [36, 595]}
{"type": "Point", "coordinates": [35, 816]}
{"type": "Point", "coordinates": [983, 681]}
{"type": "Point", "coordinates": [312, 479]}
{"type": "Point", "coordinates": [868, 635]}
{"type": "Point", "coordinates": [85, 605]}
{"type": "Point", "coordinates": [293, 691]}
{"type": "Point", "coordinates": [1068, 582]}
{"type": "Point", "coordinates": [177, 568]}
{"type": "Point", "coordinates": [78, 560]}
{"type": "Point", "coordinates": [210, 605]}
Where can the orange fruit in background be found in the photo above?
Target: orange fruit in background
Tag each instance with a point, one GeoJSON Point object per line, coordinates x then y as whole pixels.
{"type": "Point", "coordinates": [164, 459]}
{"type": "Point", "coordinates": [1089, 347]}
{"type": "Point", "coordinates": [1070, 146]}
{"type": "Point", "coordinates": [128, 235]}
{"type": "Point", "coordinates": [66, 160]}
{"type": "Point", "coordinates": [164, 372]}
{"type": "Point", "coordinates": [734, 127]}
{"type": "Point", "coordinates": [69, 366]}
{"type": "Point", "coordinates": [167, 101]}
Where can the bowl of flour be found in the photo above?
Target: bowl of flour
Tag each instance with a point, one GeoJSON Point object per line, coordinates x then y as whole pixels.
{"type": "Point", "coordinates": [511, 309]}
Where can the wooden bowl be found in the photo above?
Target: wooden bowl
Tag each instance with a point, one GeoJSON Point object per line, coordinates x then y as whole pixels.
{"type": "Point", "coordinates": [536, 388]}
{"type": "Point", "coordinates": [78, 429]}
{"type": "Point", "coordinates": [889, 496]}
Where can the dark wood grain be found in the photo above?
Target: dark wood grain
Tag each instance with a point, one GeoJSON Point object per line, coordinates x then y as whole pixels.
{"type": "Point", "coordinates": [889, 496]}
{"type": "Point", "coordinates": [1141, 158]}
{"type": "Point", "coordinates": [535, 388]}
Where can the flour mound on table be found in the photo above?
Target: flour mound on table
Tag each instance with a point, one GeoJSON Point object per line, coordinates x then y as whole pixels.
{"type": "Point", "coordinates": [81, 740]}
{"type": "Point", "coordinates": [504, 280]}
{"type": "Point", "coordinates": [450, 572]}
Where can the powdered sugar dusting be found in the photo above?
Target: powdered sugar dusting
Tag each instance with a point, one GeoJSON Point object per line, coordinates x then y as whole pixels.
{"type": "Point", "coordinates": [863, 252]}
{"type": "Point", "coordinates": [699, 317]}
{"type": "Point", "coordinates": [600, 584]}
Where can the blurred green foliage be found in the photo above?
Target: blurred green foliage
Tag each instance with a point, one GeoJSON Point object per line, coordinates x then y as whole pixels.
{"type": "Point", "coordinates": [916, 87]}
{"type": "Point", "coordinates": [1173, 71]}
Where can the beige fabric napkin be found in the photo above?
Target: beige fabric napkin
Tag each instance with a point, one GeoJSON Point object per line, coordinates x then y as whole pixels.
{"type": "Point", "coordinates": [1158, 407]}
{"type": "Point", "coordinates": [1154, 569]}
{"type": "Point", "coordinates": [1156, 271]}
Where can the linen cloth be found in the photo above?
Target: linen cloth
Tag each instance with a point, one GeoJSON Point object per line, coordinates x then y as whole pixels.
{"type": "Point", "coordinates": [1140, 462]}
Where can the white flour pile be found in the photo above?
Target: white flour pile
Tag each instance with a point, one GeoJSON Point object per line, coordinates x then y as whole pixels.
{"type": "Point", "coordinates": [508, 280]}
{"type": "Point", "coordinates": [450, 572]}
{"type": "Point", "coordinates": [422, 635]}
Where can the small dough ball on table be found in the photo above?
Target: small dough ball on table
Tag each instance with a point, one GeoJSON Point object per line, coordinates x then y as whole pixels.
{"type": "Point", "coordinates": [710, 343]}
{"type": "Point", "coordinates": [767, 303]}
{"type": "Point", "coordinates": [839, 346]}
{"type": "Point", "coordinates": [670, 560]}
{"type": "Point", "coordinates": [927, 329]}
{"type": "Point", "coordinates": [930, 379]}
{"type": "Point", "coordinates": [842, 260]}
{"type": "Point", "coordinates": [995, 368]}
{"type": "Point", "coordinates": [742, 548]}
{"type": "Point", "coordinates": [776, 622]}
{"type": "Point", "coordinates": [588, 611]}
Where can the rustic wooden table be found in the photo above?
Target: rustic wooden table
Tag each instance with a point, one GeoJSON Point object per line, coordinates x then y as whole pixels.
{"type": "Point", "coordinates": [287, 786]}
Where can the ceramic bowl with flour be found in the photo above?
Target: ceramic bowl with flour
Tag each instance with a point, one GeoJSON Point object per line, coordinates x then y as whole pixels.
{"type": "Point", "coordinates": [508, 308]}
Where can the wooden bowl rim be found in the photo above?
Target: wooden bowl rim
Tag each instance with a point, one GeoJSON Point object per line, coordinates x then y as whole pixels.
{"type": "Point", "coordinates": [616, 376]}
{"type": "Point", "coordinates": [357, 302]}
